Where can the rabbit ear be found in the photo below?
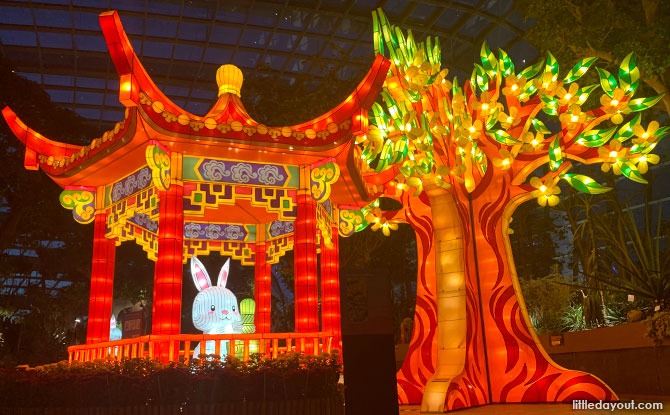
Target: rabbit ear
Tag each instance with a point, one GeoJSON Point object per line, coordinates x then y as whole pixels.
{"type": "Point", "coordinates": [223, 274]}
{"type": "Point", "coordinates": [200, 275]}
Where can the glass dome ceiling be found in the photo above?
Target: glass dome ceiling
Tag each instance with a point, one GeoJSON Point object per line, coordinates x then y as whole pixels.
{"type": "Point", "coordinates": [59, 44]}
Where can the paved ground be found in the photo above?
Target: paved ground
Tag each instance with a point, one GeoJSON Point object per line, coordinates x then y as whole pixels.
{"type": "Point", "coordinates": [544, 409]}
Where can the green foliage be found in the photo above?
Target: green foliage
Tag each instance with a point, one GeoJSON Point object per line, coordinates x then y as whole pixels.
{"type": "Point", "coordinates": [149, 382]}
{"type": "Point", "coordinates": [619, 254]}
{"type": "Point", "coordinates": [425, 121]}
{"type": "Point", "coordinates": [547, 299]}
{"type": "Point", "coordinates": [658, 327]}
{"type": "Point", "coordinates": [572, 318]}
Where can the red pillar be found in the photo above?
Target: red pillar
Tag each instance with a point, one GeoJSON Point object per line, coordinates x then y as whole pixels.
{"type": "Point", "coordinates": [166, 314]}
{"type": "Point", "coordinates": [305, 272]}
{"type": "Point", "coordinates": [102, 283]}
{"type": "Point", "coordinates": [330, 289]}
{"type": "Point", "coordinates": [262, 284]}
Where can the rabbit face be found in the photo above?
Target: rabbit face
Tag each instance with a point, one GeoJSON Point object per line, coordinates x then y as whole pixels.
{"type": "Point", "coordinates": [215, 309]}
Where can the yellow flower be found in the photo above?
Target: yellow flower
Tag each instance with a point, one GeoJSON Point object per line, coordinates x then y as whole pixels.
{"type": "Point", "coordinates": [568, 97]}
{"type": "Point", "coordinates": [513, 85]}
{"type": "Point", "coordinates": [617, 104]}
{"type": "Point", "coordinates": [614, 153]}
{"type": "Point", "coordinates": [472, 130]}
{"type": "Point", "coordinates": [574, 118]}
{"type": "Point", "coordinates": [485, 104]}
{"type": "Point", "coordinates": [510, 120]}
{"type": "Point", "coordinates": [546, 83]}
{"type": "Point", "coordinates": [506, 161]}
{"type": "Point", "coordinates": [546, 192]}
{"type": "Point", "coordinates": [644, 160]}
{"type": "Point", "coordinates": [458, 104]}
{"type": "Point", "coordinates": [379, 221]}
{"type": "Point", "coordinates": [645, 136]}
{"type": "Point", "coordinates": [532, 142]}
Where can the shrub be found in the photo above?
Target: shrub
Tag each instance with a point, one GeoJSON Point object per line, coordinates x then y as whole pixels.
{"type": "Point", "coordinates": [209, 380]}
{"type": "Point", "coordinates": [658, 327]}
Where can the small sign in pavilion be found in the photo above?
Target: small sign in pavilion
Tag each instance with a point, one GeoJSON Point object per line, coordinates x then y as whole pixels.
{"type": "Point", "coordinates": [181, 185]}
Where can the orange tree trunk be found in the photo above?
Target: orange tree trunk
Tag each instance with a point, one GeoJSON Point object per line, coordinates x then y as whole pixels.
{"type": "Point", "coordinates": [504, 361]}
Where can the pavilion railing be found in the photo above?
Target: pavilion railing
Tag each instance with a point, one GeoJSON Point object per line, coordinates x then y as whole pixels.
{"type": "Point", "coordinates": [180, 347]}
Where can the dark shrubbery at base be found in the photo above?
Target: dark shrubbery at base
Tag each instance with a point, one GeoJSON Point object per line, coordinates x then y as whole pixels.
{"type": "Point", "coordinates": [144, 382]}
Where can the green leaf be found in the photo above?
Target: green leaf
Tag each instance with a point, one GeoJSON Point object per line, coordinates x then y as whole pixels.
{"type": "Point", "coordinates": [550, 104]}
{"type": "Point", "coordinates": [539, 126]}
{"type": "Point", "coordinates": [429, 50]}
{"type": "Point", "coordinates": [640, 104]}
{"type": "Point", "coordinates": [595, 138]}
{"type": "Point", "coordinates": [584, 92]}
{"type": "Point", "coordinates": [607, 81]}
{"type": "Point", "coordinates": [402, 47]}
{"type": "Point", "coordinates": [532, 70]}
{"type": "Point", "coordinates": [492, 119]}
{"type": "Point", "coordinates": [629, 74]}
{"type": "Point", "coordinates": [385, 156]}
{"type": "Point", "coordinates": [579, 70]}
{"type": "Point", "coordinates": [662, 132]}
{"type": "Point", "coordinates": [528, 90]}
{"type": "Point", "coordinates": [489, 61]}
{"type": "Point", "coordinates": [378, 41]}
{"type": "Point", "coordinates": [630, 170]}
{"type": "Point", "coordinates": [504, 137]}
{"type": "Point", "coordinates": [585, 184]}
{"type": "Point", "coordinates": [479, 78]}
{"type": "Point", "coordinates": [400, 150]}
{"type": "Point", "coordinates": [505, 63]}
{"type": "Point", "coordinates": [555, 154]}
{"type": "Point", "coordinates": [551, 66]}
{"type": "Point", "coordinates": [626, 131]}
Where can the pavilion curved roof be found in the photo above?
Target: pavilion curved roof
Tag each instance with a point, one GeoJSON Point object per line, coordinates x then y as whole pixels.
{"type": "Point", "coordinates": [226, 131]}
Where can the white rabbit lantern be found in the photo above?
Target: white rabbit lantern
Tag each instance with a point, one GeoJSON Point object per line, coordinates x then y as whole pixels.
{"type": "Point", "coordinates": [215, 308]}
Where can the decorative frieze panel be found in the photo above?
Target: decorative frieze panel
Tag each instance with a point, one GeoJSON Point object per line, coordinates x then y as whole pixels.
{"type": "Point", "coordinates": [211, 195]}
{"type": "Point", "coordinates": [238, 172]}
{"type": "Point", "coordinates": [277, 247]}
{"type": "Point", "coordinates": [279, 228]}
{"type": "Point", "coordinates": [129, 185]}
{"type": "Point", "coordinates": [324, 222]}
{"type": "Point", "coordinates": [148, 240]}
{"type": "Point", "coordinates": [219, 231]}
{"type": "Point", "coordinates": [241, 251]}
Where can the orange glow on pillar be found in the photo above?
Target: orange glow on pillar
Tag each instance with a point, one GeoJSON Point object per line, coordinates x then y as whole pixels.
{"type": "Point", "coordinates": [166, 314]}
{"type": "Point", "coordinates": [102, 283]}
{"type": "Point", "coordinates": [330, 289]}
{"type": "Point", "coordinates": [305, 272]}
{"type": "Point", "coordinates": [262, 289]}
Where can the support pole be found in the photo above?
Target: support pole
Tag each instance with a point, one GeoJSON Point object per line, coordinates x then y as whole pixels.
{"type": "Point", "coordinates": [330, 289]}
{"type": "Point", "coordinates": [304, 249]}
{"type": "Point", "coordinates": [262, 284]}
{"type": "Point", "coordinates": [166, 313]}
{"type": "Point", "coordinates": [102, 282]}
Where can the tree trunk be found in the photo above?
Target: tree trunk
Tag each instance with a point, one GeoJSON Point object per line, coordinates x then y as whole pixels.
{"type": "Point", "coordinates": [428, 368]}
{"type": "Point", "coordinates": [419, 363]}
{"type": "Point", "coordinates": [504, 361]}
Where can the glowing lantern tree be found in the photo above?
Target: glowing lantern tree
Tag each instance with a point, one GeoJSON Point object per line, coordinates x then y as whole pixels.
{"type": "Point", "coordinates": [476, 150]}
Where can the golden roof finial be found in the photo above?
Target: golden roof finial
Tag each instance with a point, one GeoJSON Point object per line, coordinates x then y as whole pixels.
{"type": "Point", "coordinates": [229, 78]}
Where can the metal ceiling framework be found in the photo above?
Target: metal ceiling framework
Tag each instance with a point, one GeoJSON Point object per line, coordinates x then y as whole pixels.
{"type": "Point", "coordinates": [58, 43]}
